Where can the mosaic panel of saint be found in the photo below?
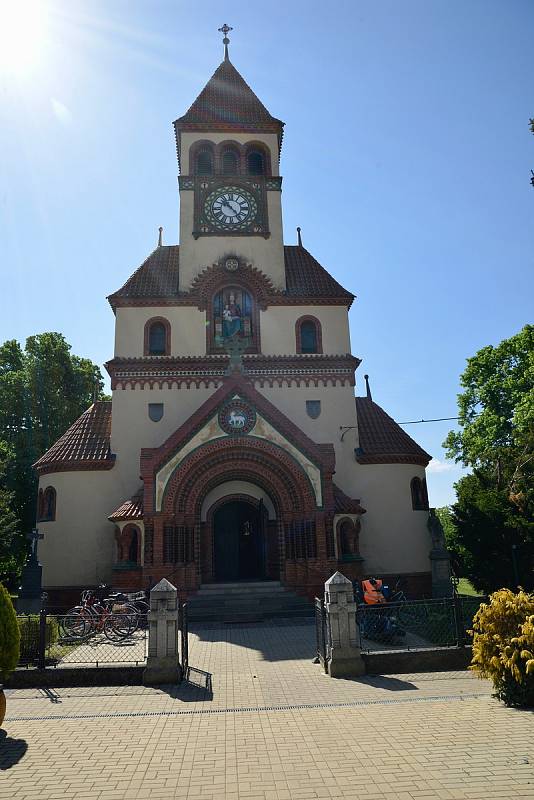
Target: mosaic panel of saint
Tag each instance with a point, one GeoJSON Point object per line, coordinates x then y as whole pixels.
{"type": "Point", "coordinates": [232, 313]}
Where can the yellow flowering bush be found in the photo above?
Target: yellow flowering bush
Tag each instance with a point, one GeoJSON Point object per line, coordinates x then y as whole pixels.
{"type": "Point", "coordinates": [503, 645]}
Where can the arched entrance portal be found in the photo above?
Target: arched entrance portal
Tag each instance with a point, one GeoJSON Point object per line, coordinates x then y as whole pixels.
{"type": "Point", "coordinates": [238, 541]}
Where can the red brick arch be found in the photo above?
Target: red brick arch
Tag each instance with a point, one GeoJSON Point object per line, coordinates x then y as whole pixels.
{"type": "Point", "coordinates": [239, 458]}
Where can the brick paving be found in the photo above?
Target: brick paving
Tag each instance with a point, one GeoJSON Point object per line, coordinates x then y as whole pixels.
{"type": "Point", "coordinates": [267, 726]}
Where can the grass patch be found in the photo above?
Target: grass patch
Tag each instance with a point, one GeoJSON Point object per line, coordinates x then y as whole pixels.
{"type": "Point", "coordinates": [466, 587]}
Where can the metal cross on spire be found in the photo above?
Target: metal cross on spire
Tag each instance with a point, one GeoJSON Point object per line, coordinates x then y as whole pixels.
{"type": "Point", "coordinates": [226, 41]}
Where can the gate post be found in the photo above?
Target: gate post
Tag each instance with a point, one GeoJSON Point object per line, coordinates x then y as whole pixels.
{"type": "Point", "coordinates": [344, 654]}
{"type": "Point", "coordinates": [162, 664]}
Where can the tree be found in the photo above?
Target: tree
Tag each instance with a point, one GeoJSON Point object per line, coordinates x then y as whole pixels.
{"type": "Point", "coordinates": [9, 524]}
{"type": "Point", "coordinates": [493, 514]}
{"type": "Point", "coordinates": [43, 390]}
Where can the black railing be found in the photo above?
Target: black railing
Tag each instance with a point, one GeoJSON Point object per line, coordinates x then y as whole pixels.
{"type": "Point", "coordinates": [321, 633]}
{"type": "Point", "coordinates": [178, 544]}
{"type": "Point", "coordinates": [184, 638]}
{"type": "Point", "coordinates": [417, 624]}
{"type": "Point", "coordinates": [59, 640]}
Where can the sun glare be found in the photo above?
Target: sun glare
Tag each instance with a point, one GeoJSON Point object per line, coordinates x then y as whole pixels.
{"type": "Point", "coordinates": [22, 34]}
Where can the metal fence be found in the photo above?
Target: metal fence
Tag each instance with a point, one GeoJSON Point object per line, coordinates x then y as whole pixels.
{"type": "Point", "coordinates": [184, 638]}
{"type": "Point", "coordinates": [62, 640]}
{"type": "Point", "coordinates": [321, 633]}
{"type": "Point", "coordinates": [417, 624]}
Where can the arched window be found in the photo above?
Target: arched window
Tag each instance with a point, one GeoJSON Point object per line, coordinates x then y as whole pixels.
{"type": "Point", "coordinates": [255, 163]}
{"type": "Point", "coordinates": [204, 163]}
{"type": "Point", "coordinates": [229, 162]}
{"type": "Point", "coordinates": [47, 505]}
{"type": "Point", "coordinates": [419, 494]}
{"type": "Point", "coordinates": [157, 337]}
{"type": "Point", "coordinates": [308, 335]}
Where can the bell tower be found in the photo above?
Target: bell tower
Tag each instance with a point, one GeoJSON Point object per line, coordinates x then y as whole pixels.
{"type": "Point", "coordinates": [228, 147]}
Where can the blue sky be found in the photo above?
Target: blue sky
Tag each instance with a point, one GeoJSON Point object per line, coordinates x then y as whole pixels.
{"type": "Point", "coordinates": [406, 161]}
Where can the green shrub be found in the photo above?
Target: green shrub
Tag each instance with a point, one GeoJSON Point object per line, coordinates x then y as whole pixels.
{"type": "Point", "coordinates": [29, 636]}
{"type": "Point", "coordinates": [9, 635]}
{"type": "Point", "coordinates": [503, 646]}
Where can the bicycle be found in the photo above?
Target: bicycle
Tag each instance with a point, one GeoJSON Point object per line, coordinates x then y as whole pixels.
{"type": "Point", "coordinates": [95, 615]}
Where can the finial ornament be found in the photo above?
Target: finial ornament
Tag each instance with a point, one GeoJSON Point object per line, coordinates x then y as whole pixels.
{"type": "Point", "coordinates": [299, 237]}
{"type": "Point", "coordinates": [367, 387]}
{"type": "Point", "coordinates": [226, 41]}
{"type": "Point", "coordinates": [160, 237]}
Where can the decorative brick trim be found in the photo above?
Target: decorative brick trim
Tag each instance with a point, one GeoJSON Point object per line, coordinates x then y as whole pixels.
{"type": "Point", "coordinates": [212, 279]}
{"type": "Point", "coordinates": [318, 333]}
{"type": "Point", "coordinates": [242, 458]}
{"type": "Point", "coordinates": [146, 345]}
{"type": "Point", "coordinates": [322, 455]}
{"type": "Point", "coordinates": [76, 466]}
{"type": "Point", "coordinates": [208, 371]}
{"type": "Point", "coordinates": [194, 300]}
{"type": "Point", "coordinates": [393, 459]}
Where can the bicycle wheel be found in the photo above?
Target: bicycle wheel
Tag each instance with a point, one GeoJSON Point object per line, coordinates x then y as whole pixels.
{"type": "Point", "coordinates": [119, 626]}
{"type": "Point", "coordinates": [74, 625]}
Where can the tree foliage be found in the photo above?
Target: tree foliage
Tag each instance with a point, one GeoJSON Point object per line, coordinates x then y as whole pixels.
{"type": "Point", "coordinates": [493, 514]}
{"type": "Point", "coordinates": [43, 390]}
{"type": "Point", "coordinates": [9, 635]}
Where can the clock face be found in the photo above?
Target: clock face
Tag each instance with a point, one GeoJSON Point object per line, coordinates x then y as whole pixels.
{"type": "Point", "coordinates": [230, 208]}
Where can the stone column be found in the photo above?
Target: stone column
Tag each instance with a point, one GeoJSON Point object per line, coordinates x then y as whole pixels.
{"type": "Point", "coordinates": [162, 662]}
{"type": "Point", "coordinates": [345, 659]}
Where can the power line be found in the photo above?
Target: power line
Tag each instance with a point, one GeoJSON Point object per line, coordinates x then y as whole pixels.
{"type": "Point", "coordinates": [418, 421]}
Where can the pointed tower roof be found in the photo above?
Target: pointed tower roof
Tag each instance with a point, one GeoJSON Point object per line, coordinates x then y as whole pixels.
{"type": "Point", "coordinates": [227, 103]}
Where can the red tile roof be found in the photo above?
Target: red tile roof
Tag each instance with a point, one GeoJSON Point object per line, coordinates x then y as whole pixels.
{"type": "Point", "coordinates": [158, 277]}
{"type": "Point", "coordinates": [130, 509]}
{"type": "Point", "coordinates": [382, 440]}
{"type": "Point", "coordinates": [305, 277]}
{"type": "Point", "coordinates": [228, 100]}
{"type": "Point", "coordinates": [346, 504]}
{"type": "Point", "coordinates": [85, 445]}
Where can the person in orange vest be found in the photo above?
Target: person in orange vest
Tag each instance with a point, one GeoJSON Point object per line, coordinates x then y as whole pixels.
{"type": "Point", "coordinates": [372, 592]}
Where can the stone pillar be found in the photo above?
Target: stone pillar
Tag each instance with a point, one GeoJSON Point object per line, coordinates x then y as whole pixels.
{"type": "Point", "coordinates": [439, 558]}
{"type": "Point", "coordinates": [441, 572]}
{"type": "Point", "coordinates": [345, 659]}
{"type": "Point", "coordinates": [162, 662]}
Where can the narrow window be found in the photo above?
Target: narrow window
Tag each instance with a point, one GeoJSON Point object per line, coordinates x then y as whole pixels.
{"type": "Point", "coordinates": [229, 163]}
{"type": "Point", "coordinates": [157, 344]}
{"type": "Point", "coordinates": [419, 501]}
{"type": "Point", "coordinates": [255, 163]}
{"type": "Point", "coordinates": [204, 163]}
{"type": "Point", "coordinates": [308, 337]}
{"type": "Point", "coordinates": [48, 507]}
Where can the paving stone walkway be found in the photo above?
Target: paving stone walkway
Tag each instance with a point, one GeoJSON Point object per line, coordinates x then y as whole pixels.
{"type": "Point", "coordinates": [258, 720]}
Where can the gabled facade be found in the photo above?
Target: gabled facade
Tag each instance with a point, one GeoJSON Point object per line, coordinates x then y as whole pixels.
{"type": "Point", "coordinates": [234, 447]}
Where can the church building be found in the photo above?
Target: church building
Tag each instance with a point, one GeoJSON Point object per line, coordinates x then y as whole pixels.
{"type": "Point", "coordinates": [234, 447]}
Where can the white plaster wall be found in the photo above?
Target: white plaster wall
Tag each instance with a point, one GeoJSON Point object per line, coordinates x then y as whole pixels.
{"type": "Point", "coordinates": [337, 409]}
{"type": "Point", "coordinates": [270, 140]}
{"type": "Point", "coordinates": [77, 548]}
{"type": "Point", "coordinates": [236, 487]}
{"type": "Point", "coordinates": [266, 255]}
{"type": "Point", "coordinates": [394, 538]}
{"type": "Point", "coordinates": [132, 428]}
{"type": "Point", "coordinates": [277, 327]}
{"type": "Point", "coordinates": [188, 330]}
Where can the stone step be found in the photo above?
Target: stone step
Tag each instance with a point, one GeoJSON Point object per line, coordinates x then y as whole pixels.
{"type": "Point", "coordinates": [256, 590]}
{"type": "Point", "coordinates": [244, 616]}
{"type": "Point", "coordinates": [246, 602]}
{"type": "Point", "coordinates": [240, 586]}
